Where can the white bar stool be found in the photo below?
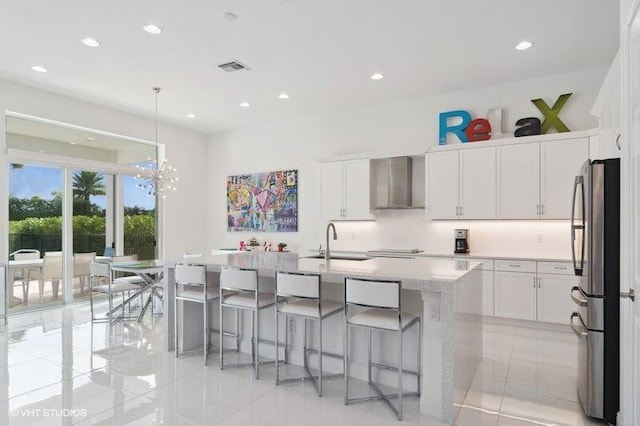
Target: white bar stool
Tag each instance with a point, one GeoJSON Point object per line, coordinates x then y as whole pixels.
{"type": "Point", "coordinates": [191, 286]}
{"type": "Point", "coordinates": [384, 313]}
{"type": "Point", "coordinates": [240, 289]}
{"type": "Point", "coordinates": [300, 295]}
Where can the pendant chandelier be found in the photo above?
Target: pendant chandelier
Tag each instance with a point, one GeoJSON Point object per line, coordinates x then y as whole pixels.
{"type": "Point", "coordinates": [157, 179]}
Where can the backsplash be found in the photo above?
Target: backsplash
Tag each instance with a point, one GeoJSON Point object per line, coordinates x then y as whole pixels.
{"type": "Point", "coordinates": [411, 229]}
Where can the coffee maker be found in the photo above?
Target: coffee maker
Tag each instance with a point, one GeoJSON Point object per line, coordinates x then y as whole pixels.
{"type": "Point", "coordinates": [461, 237]}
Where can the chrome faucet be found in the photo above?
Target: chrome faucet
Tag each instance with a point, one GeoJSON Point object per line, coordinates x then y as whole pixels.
{"type": "Point", "coordinates": [327, 252]}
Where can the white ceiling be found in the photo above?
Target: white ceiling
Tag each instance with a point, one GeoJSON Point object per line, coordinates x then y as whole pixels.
{"type": "Point", "coordinates": [321, 52]}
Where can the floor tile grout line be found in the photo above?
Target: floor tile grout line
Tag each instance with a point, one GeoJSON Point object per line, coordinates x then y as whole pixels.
{"type": "Point", "coordinates": [245, 405]}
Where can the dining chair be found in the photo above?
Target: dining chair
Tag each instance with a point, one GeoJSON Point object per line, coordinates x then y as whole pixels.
{"type": "Point", "coordinates": [375, 305]}
{"type": "Point", "coordinates": [132, 279]}
{"type": "Point", "coordinates": [81, 269]}
{"type": "Point", "coordinates": [51, 271]}
{"type": "Point", "coordinates": [102, 281]}
{"type": "Point", "coordinates": [300, 295]}
{"type": "Point", "coordinates": [23, 275]}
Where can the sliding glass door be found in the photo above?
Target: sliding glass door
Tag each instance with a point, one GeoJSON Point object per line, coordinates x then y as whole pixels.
{"type": "Point", "coordinates": [35, 236]}
{"type": "Point", "coordinates": [92, 224]}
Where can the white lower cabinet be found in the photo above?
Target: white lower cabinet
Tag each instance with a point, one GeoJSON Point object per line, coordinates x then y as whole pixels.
{"type": "Point", "coordinates": [554, 302]}
{"type": "Point", "coordinates": [515, 294]}
{"type": "Point", "coordinates": [529, 295]}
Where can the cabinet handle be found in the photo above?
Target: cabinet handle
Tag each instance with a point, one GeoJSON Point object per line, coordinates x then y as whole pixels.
{"type": "Point", "coordinates": [538, 209]}
{"type": "Point", "coordinates": [534, 282]}
{"type": "Point", "coordinates": [457, 211]}
{"type": "Point", "coordinates": [618, 142]}
{"type": "Point", "coordinates": [539, 282]}
{"type": "Point", "coordinates": [542, 209]}
{"type": "Point", "coordinates": [561, 268]}
{"type": "Point", "coordinates": [514, 265]}
{"type": "Point", "coordinates": [461, 211]}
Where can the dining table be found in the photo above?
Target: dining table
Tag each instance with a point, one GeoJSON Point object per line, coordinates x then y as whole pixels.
{"type": "Point", "coordinates": [151, 271]}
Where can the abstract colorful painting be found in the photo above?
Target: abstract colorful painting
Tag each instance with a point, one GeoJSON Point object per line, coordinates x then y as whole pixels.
{"type": "Point", "coordinates": [263, 202]}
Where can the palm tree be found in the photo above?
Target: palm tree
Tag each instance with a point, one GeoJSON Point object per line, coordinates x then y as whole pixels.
{"type": "Point", "coordinates": [86, 184]}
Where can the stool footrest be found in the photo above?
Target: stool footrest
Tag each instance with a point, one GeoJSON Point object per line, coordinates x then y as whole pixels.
{"type": "Point", "coordinates": [329, 354]}
{"type": "Point", "coordinates": [392, 368]}
{"type": "Point", "coordinates": [376, 397]}
{"type": "Point", "coordinates": [304, 378]}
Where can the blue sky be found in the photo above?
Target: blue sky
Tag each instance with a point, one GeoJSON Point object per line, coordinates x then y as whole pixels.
{"type": "Point", "coordinates": [30, 181]}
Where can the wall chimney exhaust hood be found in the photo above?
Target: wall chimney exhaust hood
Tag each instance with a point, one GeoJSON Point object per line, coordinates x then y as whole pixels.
{"type": "Point", "coordinates": [391, 183]}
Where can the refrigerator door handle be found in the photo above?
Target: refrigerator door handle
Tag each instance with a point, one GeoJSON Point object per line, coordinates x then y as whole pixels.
{"type": "Point", "coordinates": [577, 182]}
{"type": "Point", "coordinates": [579, 330]}
{"type": "Point", "coordinates": [578, 300]}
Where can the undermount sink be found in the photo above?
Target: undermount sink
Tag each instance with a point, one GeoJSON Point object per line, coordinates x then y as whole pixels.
{"type": "Point", "coordinates": [321, 256]}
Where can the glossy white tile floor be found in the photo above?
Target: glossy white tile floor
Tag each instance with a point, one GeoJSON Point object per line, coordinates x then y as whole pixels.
{"type": "Point", "coordinates": [58, 368]}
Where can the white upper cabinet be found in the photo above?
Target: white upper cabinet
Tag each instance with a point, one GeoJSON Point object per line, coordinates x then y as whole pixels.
{"type": "Point", "coordinates": [559, 164]}
{"type": "Point", "coordinates": [462, 184]}
{"type": "Point", "coordinates": [345, 190]}
{"type": "Point", "coordinates": [519, 181]}
{"type": "Point", "coordinates": [442, 185]}
{"type": "Point", "coordinates": [332, 195]}
{"type": "Point", "coordinates": [535, 180]}
{"type": "Point", "coordinates": [477, 192]}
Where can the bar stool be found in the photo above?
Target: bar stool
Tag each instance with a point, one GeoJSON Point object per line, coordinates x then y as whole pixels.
{"type": "Point", "coordinates": [240, 289]}
{"type": "Point", "coordinates": [384, 313]}
{"type": "Point", "coordinates": [300, 295]}
{"type": "Point", "coordinates": [191, 286]}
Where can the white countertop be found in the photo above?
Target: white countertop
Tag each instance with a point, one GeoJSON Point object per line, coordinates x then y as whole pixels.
{"type": "Point", "coordinates": [473, 255]}
{"type": "Point", "coordinates": [418, 273]}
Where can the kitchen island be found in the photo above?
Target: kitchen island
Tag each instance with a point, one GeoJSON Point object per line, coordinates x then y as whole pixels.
{"type": "Point", "coordinates": [432, 288]}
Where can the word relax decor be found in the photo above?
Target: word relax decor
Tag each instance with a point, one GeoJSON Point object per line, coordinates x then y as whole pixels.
{"type": "Point", "coordinates": [479, 129]}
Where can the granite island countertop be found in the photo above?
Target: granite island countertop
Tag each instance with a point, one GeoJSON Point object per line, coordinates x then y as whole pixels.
{"type": "Point", "coordinates": [420, 273]}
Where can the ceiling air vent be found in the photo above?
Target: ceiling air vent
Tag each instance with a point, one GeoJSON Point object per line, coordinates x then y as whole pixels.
{"type": "Point", "coordinates": [233, 66]}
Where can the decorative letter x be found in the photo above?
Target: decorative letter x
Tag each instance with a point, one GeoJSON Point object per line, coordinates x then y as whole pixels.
{"type": "Point", "coordinates": [551, 118]}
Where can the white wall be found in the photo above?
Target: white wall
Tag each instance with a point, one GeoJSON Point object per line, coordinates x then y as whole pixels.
{"type": "Point", "coordinates": [298, 144]}
{"type": "Point", "coordinates": [184, 210]}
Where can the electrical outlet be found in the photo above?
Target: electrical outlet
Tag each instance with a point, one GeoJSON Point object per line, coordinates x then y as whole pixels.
{"type": "Point", "coordinates": [434, 312]}
{"type": "Point", "coordinates": [292, 326]}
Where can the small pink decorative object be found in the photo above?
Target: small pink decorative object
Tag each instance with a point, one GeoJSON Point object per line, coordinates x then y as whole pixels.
{"type": "Point", "coordinates": [266, 246]}
{"type": "Point", "coordinates": [243, 246]}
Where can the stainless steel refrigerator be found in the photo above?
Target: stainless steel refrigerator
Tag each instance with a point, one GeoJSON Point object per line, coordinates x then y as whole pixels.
{"type": "Point", "coordinates": [595, 234]}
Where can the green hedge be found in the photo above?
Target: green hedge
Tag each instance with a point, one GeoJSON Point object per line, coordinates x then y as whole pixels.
{"type": "Point", "coordinates": [133, 225]}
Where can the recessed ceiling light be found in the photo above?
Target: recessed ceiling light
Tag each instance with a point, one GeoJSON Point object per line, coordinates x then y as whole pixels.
{"type": "Point", "coordinates": [90, 139]}
{"type": "Point", "coordinates": [152, 29]}
{"type": "Point", "coordinates": [523, 45]}
{"type": "Point", "coordinates": [377, 76]}
{"type": "Point", "coordinates": [245, 104]}
{"type": "Point", "coordinates": [39, 68]}
{"type": "Point", "coordinates": [283, 96]}
{"type": "Point", "coordinates": [230, 16]}
{"type": "Point", "coordinates": [191, 115]}
{"type": "Point", "coordinates": [91, 42]}
{"type": "Point", "coordinates": [72, 143]}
